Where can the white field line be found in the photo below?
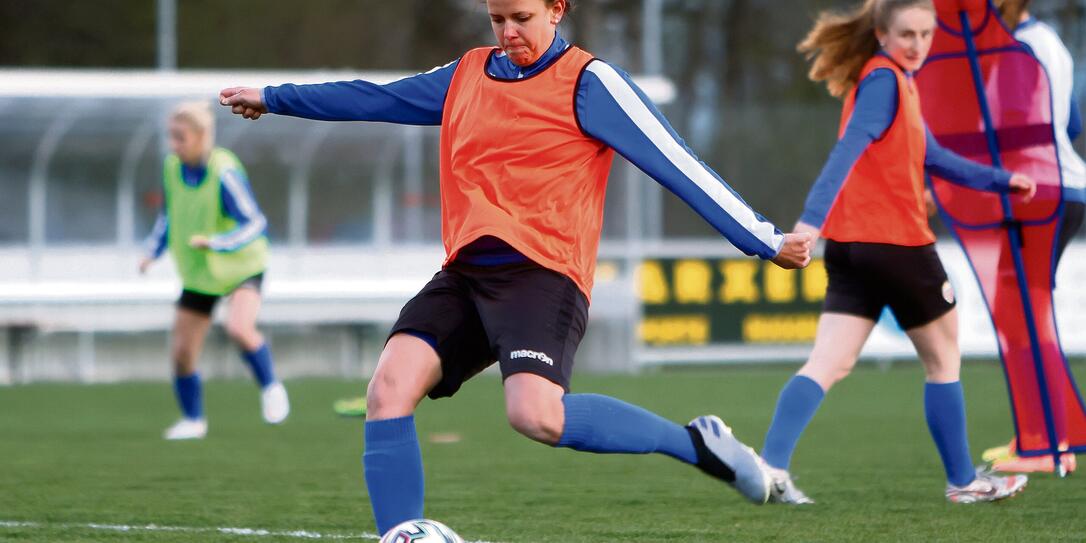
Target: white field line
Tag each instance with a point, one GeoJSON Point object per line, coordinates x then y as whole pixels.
{"type": "Point", "coordinates": [251, 532]}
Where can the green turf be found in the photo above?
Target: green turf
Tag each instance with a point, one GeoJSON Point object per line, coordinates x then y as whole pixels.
{"type": "Point", "coordinates": [71, 455]}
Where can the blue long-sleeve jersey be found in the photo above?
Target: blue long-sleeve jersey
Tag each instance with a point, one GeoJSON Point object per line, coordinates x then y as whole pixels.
{"type": "Point", "coordinates": [874, 112]}
{"type": "Point", "coordinates": [608, 105]}
{"type": "Point", "coordinates": [237, 203]}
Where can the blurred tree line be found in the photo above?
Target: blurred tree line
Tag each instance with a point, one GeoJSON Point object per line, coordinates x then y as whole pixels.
{"type": "Point", "coordinates": [745, 104]}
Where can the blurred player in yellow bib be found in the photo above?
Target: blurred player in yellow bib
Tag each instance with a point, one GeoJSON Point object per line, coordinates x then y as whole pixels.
{"type": "Point", "coordinates": [215, 233]}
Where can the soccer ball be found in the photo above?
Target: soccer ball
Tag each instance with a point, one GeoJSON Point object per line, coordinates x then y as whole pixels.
{"type": "Point", "coordinates": [421, 531]}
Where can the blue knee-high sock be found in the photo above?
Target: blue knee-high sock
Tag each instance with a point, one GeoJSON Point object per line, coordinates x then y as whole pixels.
{"type": "Point", "coordinates": [190, 395]}
{"type": "Point", "coordinates": [260, 361]}
{"type": "Point", "coordinates": [944, 407]}
{"type": "Point", "coordinates": [600, 424]}
{"type": "Point", "coordinates": [797, 404]}
{"type": "Point", "coordinates": [393, 466]}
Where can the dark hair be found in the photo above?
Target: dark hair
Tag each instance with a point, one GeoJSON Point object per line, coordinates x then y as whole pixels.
{"type": "Point", "coordinates": [1011, 11]}
{"type": "Point", "coordinates": [842, 42]}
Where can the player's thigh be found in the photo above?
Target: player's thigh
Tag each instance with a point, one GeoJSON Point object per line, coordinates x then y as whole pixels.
{"type": "Point", "coordinates": [408, 368]}
{"type": "Point", "coordinates": [245, 304]}
{"type": "Point", "coordinates": [838, 341]}
{"type": "Point", "coordinates": [190, 328]}
{"type": "Point", "coordinates": [852, 306]}
{"type": "Point", "coordinates": [937, 346]}
{"type": "Point", "coordinates": [534, 319]}
{"type": "Point", "coordinates": [435, 345]}
{"type": "Point", "coordinates": [534, 407]}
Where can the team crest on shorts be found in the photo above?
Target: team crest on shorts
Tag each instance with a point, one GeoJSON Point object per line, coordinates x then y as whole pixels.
{"type": "Point", "coordinates": [948, 292]}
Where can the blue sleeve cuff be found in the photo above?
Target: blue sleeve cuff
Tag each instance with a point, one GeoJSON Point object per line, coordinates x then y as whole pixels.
{"type": "Point", "coordinates": [266, 97]}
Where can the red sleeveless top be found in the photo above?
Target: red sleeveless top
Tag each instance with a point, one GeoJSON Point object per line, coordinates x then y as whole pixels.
{"type": "Point", "coordinates": [882, 199]}
{"type": "Point", "coordinates": [515, 165]}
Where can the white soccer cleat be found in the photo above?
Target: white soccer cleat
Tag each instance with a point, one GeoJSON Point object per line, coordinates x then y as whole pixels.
{"type": "Point", "coordinates": [186, 429]}
{"type": "Point", "coordinates": [274, 404]}
{"type": "Point", "coordinates": [783, 490]}
{"type": "Point", "coordinates": [987, 487]}
{"type": "Point", "coordinates": [728, 459]}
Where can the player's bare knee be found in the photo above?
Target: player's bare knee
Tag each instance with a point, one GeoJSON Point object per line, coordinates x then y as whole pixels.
{"type": "Point", "coordinates": [387, 397]}
{"type": "Point", "coordinates": [840, 373]}
{"type": "Point", "coordinates": [542, 425]}
{"type": "Point", "coordinates": [240, 333]}
{"type": "Point", "coordinates": [184, 359]}
{"type": "Point", "coordinates": [942, 370]}
{"type": "Point", "coordinates": [826, 375]}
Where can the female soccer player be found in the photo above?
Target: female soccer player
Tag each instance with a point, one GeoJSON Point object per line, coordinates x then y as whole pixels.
{"type": "Point", "coordinates": [528, 131]}
{"type": "Point", "coordinates": [1056, 59]}
{"type": "Point", "coordinates": [868, 203]}
{"type": "Point", "coordinates": [215, 233]}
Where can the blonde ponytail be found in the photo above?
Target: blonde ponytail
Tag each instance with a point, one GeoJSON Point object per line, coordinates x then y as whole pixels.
{"type": "Point", "coordinates": [842, 42]}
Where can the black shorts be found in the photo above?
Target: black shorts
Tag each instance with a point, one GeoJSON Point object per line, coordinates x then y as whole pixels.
{"type": "Point", "coordinates": [525, 317]}
{"type": "Point", "coordinates": [205, 303]}
{"type": "Point", "coordinates": [866, 277]}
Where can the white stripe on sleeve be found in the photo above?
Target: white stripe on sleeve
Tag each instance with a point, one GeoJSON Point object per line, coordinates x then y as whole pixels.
{"type": "Point", "coordinates": [628, 100]}
{"type": "Point", "coordinates": [233, 183]}
{"type": "Point", "coordinates": [255, 221]}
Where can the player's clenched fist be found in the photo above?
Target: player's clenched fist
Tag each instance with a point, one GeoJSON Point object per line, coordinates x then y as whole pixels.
{"type": "Point", "coordinates": [244, 101]}
{"type": "Point", "coordinates": [796, 251]}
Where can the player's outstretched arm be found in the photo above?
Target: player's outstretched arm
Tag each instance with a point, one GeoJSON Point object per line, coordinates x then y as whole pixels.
{"type": "Point", "coordinates": [962, 171]}
{"type": "Point", "coordinates": [245, 101]}
{"type": "Point", "coordinates": [612, 109]}
{"type": "Point", "coordinates": [415, 100]}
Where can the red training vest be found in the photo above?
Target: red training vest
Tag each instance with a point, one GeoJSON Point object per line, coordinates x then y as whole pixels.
{"type": "Point", "coordinates": [515, 165]}
{"type": "Point", "coordinates": [882, 199]}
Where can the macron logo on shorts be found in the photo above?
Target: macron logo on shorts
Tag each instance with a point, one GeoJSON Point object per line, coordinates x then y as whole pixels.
{"type": "Point", "coordinates": [524, 353]}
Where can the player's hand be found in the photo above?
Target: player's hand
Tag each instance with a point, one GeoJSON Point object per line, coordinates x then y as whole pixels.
{"type": "Point", "coordinates": [804, 228]}
{"type": "Point", "coordinates": [199, 242]}
{"type": "Point", "coordinates": [145, 264]}
{"type": "Point", "coordinates": [1024, 185]}
{"type": "Point", "coordinates": [244, 101]}
{"type": "Point", "coordinates": [929, 203]}
{"type": "Point", "coordinates": [796, 251]}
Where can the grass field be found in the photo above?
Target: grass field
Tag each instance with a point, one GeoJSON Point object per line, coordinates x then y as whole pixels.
{"type": "Point", "coordinates": [74, 458]}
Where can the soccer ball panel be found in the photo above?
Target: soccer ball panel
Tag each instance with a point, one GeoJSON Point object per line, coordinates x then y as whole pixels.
{"type": "Point", "coordinates": [421, 531]}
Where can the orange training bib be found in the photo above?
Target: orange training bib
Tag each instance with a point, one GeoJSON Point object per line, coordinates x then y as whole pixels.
{"type": "Point", "coordinates": [882, 199]}
{"type": "Point", "coordinates": [515, 165]}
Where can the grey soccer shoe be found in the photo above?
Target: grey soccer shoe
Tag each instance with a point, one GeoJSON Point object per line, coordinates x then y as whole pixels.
{"type": "Point", "coordinates": [783, 490]}
{"type": "Point", "coordinates": [987, 487]}
{"type": "Point", "coordinates": [728, 459]}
